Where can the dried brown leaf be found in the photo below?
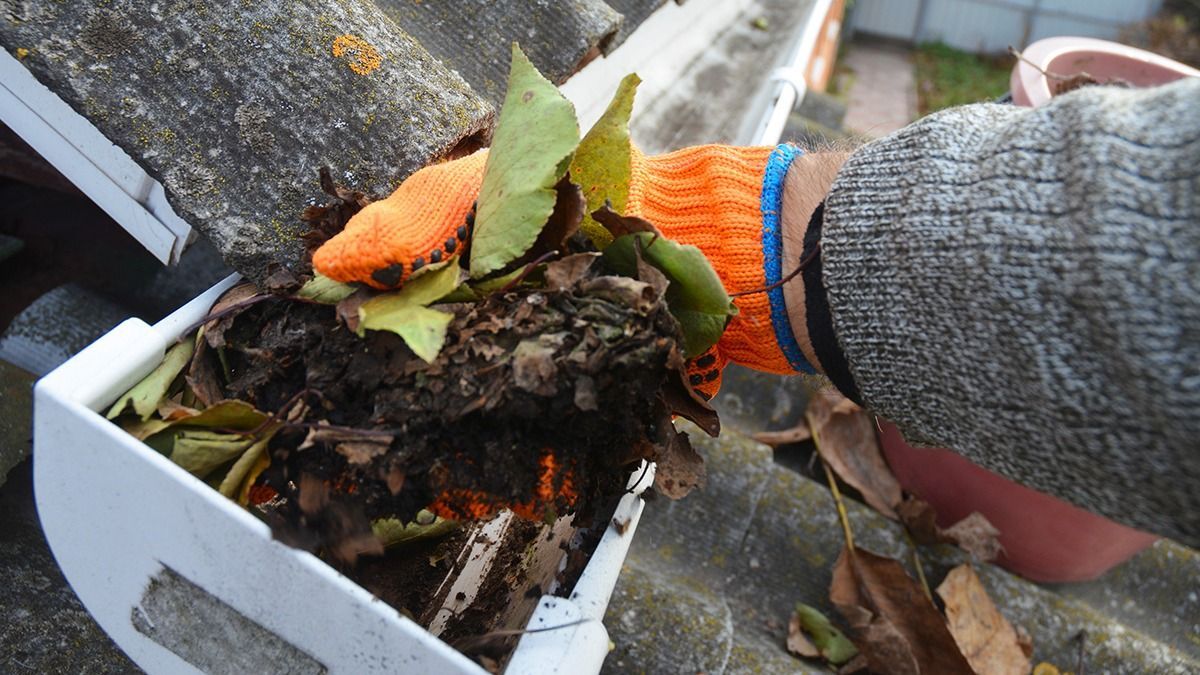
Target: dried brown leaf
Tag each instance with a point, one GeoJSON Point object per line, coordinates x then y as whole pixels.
{"type": "Point", "coordinates": [620, 225]}
{"type": "Point", "coordinates": [683, 401]}
{"type": "Point", "coordinates": [988, 641]}
{"type": "Point", "coordinates": [892, 618]}
{"type": "Point", "coordinates": [797, 643]}
{"type": "Point", "coordinates": [533, 368]}
{"type": "Point", "coordinates": [975, 535]}
{"type": "Point", "coordinates": [569, 209]}
{"type": "Point", "coordinates": [569, 271]}
{"type": "Point", "coordinates": [361, 452]}
{"type": "Point", "coordinates": [347, 310]}
{"type": "Point", "coordinates": [214, 331]}
{"type": "Point", "coordinates": [845, 437]}
{"type": "Point", "coordinates": [680, 468]}
{"type": "Point", "coordinates": [202, 375]}
{"type": "Point", "coordinates": [921, 520]}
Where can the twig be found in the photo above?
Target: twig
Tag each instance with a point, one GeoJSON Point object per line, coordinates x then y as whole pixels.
{"type": "Point", "coordinates": [791, 275]}
{"type": "Point", "coordinates": [837, 494]}
{"type": "Point", "coordinates": [916, 556]}
{"type": "Point", "coordinates": [225, 312]}
{"type": "Point", "coordinates": [525, 272]}
{"type": "Point", "coordinates": [1079, 662]}
{"type": "Point", "coordinates": [1054, 76]}
{"type": "Point", "coordinates": [471, 643]}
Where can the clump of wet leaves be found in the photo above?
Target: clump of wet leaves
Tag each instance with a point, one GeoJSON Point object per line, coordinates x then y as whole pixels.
{"type": "Point", "coordinates": [533, 371]}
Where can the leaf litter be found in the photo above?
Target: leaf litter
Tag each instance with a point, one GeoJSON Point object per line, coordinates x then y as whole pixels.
{"type": "Point", "coordinates": [530, 374]}
{"type": "Point", "coordinates": [893, 622]}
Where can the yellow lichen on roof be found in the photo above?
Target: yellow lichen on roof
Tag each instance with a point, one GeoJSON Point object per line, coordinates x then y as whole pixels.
{"type": "Point", "coordinates": [364, 58]}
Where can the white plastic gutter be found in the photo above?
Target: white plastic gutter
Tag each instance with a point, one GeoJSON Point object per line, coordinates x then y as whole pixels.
{"type": "Point", "coordinates": [792, 81]}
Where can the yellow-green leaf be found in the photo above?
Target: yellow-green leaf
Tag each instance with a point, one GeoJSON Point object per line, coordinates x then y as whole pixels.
{"type": "Point", "coordinates": [423, 329]}
{"type": "Point", "coordinates": [202, 452]}
{"type": "Point", "coordinates": [392, 532]}
{"type": "Point", "coordinates": [533, 144]}
{"type": "Point", "coordinates": [237, 482]}
{"type": "Point", "coordinates": [146, 395]}
{"type": "Point", "coordinates": [404, 312]}
{"type": "Point", "coordinates": [603, 164]}
{"type": "Point", "coordinates": [325, 290]}
{"type": "Point", "coordinates": [229, 414]}
{"type": "Point", "coordinates": [835, 647]}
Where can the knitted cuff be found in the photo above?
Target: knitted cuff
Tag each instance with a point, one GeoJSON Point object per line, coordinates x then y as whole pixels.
{"type": "Point", "coordinates": [772, 245]}
{"type": "Point", "coordinates": [725, 201]}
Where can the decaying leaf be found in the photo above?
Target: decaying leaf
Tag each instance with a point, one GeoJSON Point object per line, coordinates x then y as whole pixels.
{"type": "Point", "coordinates": [202, 377]}
{"type": "Point", "coordinates": [517, 195]}
{"type": "Point", "coordinates": [201, 452]}
{"type": "Point", "coordinates": [617, 225]}
{"type": "Point", "coordinates": [325, 290]}
{"type": "Point", "coordinates": [603, 165]}
{"type": "Point", "coordinates": [236, 415]}
{"type": "Point", "coordinates": [567, 272]}
{"type": "Point", "coordinates": [988, 641]}
{"type": "Point", "coordinates": [680, 468]}
{"type": "Point", "coordinates": [564, 221]}
{"type": "Point", "coordinates": [974, 534]}
{"type": "Point", "coordinates": [695, 296]}
{"type": "Point", "coordinates": [392, 532]}
{"type": "Point", "coordinates": [681, 399]}
{"type": "Point", "coordinates": [242, 294]}
{"type": "Point", "coordinates": [147, 394]}
{"type": "Point", "coordinates": [797, 642]}
{"type": "Point", "coordinates": [405, 313]}
{"type": "Point", "coordinates": [810, 634]}
{"type": "Point", "coordinates": [845, 437]}
{"type": "Point", "coordinates": [895, 625]}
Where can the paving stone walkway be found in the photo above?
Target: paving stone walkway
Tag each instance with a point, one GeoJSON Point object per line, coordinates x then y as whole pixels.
{"type": "Point", "coordinates": [883, 94]}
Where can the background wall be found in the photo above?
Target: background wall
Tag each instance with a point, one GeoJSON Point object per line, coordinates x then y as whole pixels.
{"type": "Point", "coordinates": [993, 25]}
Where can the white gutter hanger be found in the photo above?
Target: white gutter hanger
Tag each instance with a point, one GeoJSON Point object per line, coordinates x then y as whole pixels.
{"type": "Point", "coordinates": [101, 170]}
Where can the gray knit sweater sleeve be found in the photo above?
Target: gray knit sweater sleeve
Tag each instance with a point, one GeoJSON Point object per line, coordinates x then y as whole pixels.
{"type": "Point", "coordinates": [1023, 286]}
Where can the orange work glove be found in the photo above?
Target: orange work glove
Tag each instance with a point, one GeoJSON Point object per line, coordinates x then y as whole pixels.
{"type": "Point", "coordinates": [722, 199]}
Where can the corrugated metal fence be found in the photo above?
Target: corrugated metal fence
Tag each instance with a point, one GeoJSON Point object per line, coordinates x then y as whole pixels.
{"type": "Point", "coordinates": [993, 25]}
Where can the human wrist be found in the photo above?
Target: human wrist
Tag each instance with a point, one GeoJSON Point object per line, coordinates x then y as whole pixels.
{"type": "Point", "coordinates": [807, 182]}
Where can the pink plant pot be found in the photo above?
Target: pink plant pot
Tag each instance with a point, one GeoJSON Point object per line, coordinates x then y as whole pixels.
{"type": "Point", "coordinates": [1101, 59]}
{"type": "Point", "coordinates": [1044, 538]}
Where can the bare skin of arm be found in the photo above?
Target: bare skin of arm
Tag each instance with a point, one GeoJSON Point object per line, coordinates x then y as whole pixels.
{"type": "Point", "coordinates": [807, 182]}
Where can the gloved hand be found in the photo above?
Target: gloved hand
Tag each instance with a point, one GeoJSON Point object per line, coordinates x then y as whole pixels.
{"type": "Point", "coordinates": [725, 200]}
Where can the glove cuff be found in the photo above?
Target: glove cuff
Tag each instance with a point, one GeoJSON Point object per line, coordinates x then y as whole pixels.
{"type": "Point", "coordinates": [725, 200]}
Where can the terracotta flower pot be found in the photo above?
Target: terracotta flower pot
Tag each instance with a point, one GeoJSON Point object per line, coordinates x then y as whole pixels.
{"type": "Point", "coordinates": [1101, 59]}
{"type": "Point", "coordinates": [1044, 538]}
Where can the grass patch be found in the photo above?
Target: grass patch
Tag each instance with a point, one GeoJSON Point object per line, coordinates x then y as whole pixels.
{"type": "Point", "coordinates": [948, 77]}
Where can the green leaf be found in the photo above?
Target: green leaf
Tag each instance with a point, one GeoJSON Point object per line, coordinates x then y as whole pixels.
{"type": "Point", "coordinates": [325, 290]}
{"type": "Point", "coordinates": [532, 147]}
{"type": "Point", "coordinates": [146, 395]}
{"type": "Point", "coordinates": [833, 645]}
{"type": "Point", "coordinates": [404, 312]}
{"type": "Point", "coordinates": [695, 296]}
{"type": "Point", "coordinates": [603, 164]}
{"type": "Point", "coordinates": [392, 532]}
{"type": "Point", "coordinates": [202, 452]}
